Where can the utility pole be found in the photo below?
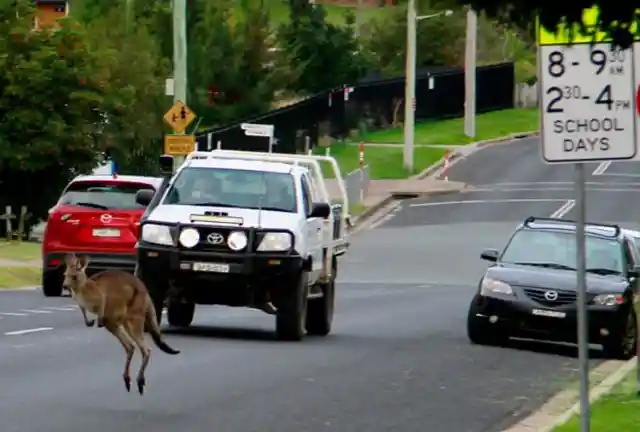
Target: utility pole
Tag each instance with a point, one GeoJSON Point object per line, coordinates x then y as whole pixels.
{"type": "Point", "coordinates": [470, 74]}
{"type": "Point", "coordinates": [410, 87]}
{"type": "Point", "coordinates": [179, 57]}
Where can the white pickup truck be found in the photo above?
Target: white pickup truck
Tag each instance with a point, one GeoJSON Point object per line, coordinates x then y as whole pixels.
{"type": "Point", "coordinates": [245, 229]}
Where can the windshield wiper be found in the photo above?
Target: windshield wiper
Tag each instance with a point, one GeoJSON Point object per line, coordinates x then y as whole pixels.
{"type": "Point", "coordinates": [92, 205]}
{"type": "Point", "coordinates": [603, 271]}
{"type": "Point", "coordinates": [280, 209]}
{"type": "Point", "coordinates": [547, 265]}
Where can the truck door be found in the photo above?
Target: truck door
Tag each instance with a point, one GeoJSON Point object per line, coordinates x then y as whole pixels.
{"type": "Point", "coordinates": [314, 229]}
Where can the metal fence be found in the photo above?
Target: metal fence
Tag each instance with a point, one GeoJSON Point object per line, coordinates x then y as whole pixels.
{"type": "Point", "coordinates": [369, 105]}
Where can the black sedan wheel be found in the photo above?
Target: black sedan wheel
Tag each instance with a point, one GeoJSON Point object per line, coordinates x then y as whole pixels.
{"type": "Point", "coordinates": [622, 346]}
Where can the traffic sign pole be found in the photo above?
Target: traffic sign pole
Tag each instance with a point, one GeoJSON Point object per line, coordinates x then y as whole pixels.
{"type": "Point", "coordinates": [588, 103]}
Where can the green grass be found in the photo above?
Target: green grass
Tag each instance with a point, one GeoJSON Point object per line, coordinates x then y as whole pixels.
{"type": "Point", "coordinates": [385, 162]}
{"type": "Point", "coordinates": [20, 251]}
{"type": "Point", "coordinates": [490, 125]}
{"type": "Point", "coordinates": [16, 277]}
{"type": "Point", "coordinates": [617, 412]}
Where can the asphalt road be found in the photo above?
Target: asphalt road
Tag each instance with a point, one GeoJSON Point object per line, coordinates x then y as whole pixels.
{"type": "Point", "coordinates": [398, 359]}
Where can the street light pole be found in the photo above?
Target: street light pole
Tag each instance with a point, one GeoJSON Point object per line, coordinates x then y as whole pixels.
{"type": "Point", "coordinates": [179, 57]}
{"type": "Point", "coordinates": [410, 87]}
{"type": "Point", "coordinates": [410, 81]}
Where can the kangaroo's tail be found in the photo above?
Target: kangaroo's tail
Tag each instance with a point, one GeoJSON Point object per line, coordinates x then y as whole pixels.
{"type": "Point", "coordinates": [151, 322]}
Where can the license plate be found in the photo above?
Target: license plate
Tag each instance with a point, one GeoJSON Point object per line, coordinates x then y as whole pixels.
{"type": "Point", "coordinates": [106, 232]}
{"type": "Point", "coordinates": [548, 313]}
{"type": "Point", "coordinates": [210, 267]}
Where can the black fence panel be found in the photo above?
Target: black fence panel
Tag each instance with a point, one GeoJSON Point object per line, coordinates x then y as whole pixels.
{"type": "Point", "coordinates": [371, 104]}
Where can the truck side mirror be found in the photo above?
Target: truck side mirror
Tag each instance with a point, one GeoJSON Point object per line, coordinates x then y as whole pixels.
{"type": "Point", "coordinates": [166, 165]}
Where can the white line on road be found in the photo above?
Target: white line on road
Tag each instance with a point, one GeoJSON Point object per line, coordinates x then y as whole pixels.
{"type": "Point", "coordinates": [514, 200]}
{"type": "Point", "coordinates": [36, 311]}
{"type": "Point", "coordinates": [562, 211]}
{"type": "Point", "coordinates": [600, 169]}
{"type": "Point", "coordinates": [60, 308]}
{"type": "Point", "coordinates": [27, 331]}
{"type": "Point", "coordinates": [623, 175]}
{"type": "Point", "coordinates": [13, 314]}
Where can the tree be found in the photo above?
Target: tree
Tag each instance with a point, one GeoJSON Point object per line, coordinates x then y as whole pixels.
{"type": "Point", "coordinates": [618, 20]}
{"type": "Point", "coordinates": [229, 72]}
{"type": "Point", "coordinates": [52, 99]}
{"type": "Point", "coordinates": [134, 102]}
{"type": "Point", "coordinates": [320, 55]}
{"type": "Point", "coordinates": [440, 41]}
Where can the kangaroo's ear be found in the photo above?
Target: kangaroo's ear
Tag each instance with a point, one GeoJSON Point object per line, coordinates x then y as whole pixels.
{"type": "Point", "coordinates": [70, 259]}
{"type": "Point", "coordinates": [83, 262]}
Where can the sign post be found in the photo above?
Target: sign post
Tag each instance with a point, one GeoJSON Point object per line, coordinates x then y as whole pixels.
{"type": "Point", "coordinates": [588, 115]}
{"type": "Point", "coordinates": [259, 130]}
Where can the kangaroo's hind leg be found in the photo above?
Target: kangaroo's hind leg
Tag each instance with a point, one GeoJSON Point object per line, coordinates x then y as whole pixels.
{"type": "Point", "coordinates": [135, 329]}
{"type": "Point", "coordinates": [116, 330]}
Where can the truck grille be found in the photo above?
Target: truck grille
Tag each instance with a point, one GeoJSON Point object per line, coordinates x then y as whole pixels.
{"type": "Point", "coordinates": [206, 246]}
{"type": "Point", "coordinates": [538, 295]}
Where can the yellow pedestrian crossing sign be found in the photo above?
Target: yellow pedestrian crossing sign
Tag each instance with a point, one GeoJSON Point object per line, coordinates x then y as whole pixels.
{"type": "Point", "coordinates": [179, 117]}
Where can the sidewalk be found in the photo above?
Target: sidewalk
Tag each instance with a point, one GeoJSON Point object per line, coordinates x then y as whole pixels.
{"type": "Point", "coordinates": [379, 190]}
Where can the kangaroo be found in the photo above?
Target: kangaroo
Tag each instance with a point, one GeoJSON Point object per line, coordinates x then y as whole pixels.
{"type": "Point", "coordinates": [123, 306]}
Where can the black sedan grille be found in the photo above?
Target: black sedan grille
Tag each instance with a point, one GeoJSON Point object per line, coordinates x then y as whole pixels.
{"type": "Point", "coordinates": [538, 295]}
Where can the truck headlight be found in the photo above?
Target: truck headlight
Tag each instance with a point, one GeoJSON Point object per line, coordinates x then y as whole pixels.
{"type": "Point", "coordinates": [189, 237]}
{"type": "Point", "coordinates": [608, 299]}
{"type": "Point", "coordinates": [275, 241]}
{"type": "Point", "coordinates": [492, 286]}
{"type": "Point", "coordinates": [158, 234]}
{"type": "Point", "coordinates": [237, 240]}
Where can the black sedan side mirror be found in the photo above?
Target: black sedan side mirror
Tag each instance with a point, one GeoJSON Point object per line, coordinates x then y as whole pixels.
{"type": "Point", "coordinates": [490, 255]}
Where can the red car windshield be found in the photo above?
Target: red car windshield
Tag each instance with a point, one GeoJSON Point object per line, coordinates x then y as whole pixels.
{"type": "Point", "coordinates": [104, 195]}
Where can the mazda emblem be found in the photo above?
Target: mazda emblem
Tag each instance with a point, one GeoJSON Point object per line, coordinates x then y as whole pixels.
{"type": "Point", "coordinates": [106, 218]}
{"type": "Point", "coordinates": [551, 295]}
{"type": "Point", "coordinates": [215, 238]}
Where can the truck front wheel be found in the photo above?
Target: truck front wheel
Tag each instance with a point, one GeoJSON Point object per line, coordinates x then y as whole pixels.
{"type": "Point", "coordinates": [291, 315]}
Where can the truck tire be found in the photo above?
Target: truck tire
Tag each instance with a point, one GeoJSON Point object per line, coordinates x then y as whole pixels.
{"type": "Point", "coordinates": [320, 310]}
{"type": "Point", "coordinates": [291, 315]}
{"type": "Point", "coordinates": [180, 314]}
{"type": "Point", "coordinates": [51, 284]}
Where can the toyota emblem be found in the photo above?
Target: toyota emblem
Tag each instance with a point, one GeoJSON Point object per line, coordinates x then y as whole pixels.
{"type": "Point", "coordinates": [215, 238]}
{"type": "Point", "coordinates": [106, 218]}
{"type": "Point", "coordinates": [551, 295]}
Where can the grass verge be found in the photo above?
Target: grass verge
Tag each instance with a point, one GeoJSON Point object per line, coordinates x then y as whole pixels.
{"type": "Point", "coordinates": [385, 162]}
{"type": "Point", "coordinates": [16, 277]}
{"type": "Point", "coordinates": [20, 251]}
{"type": "Point", "coordinates": [616, 412]}
{"type": "Point", "coordinates": [489, 125]}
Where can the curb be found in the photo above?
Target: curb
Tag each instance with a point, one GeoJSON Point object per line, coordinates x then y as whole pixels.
{"type": "Point", "coordinates": [545, 421]}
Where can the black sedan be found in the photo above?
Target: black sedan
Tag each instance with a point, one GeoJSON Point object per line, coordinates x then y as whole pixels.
{"type": "Point", "coordinates": [530, 289]}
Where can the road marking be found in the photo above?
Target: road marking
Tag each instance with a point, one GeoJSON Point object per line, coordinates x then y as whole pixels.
{"type": "Point", "coordinates": [623, 175]}
{"type": "Point", "coordinates": [514, 200]}
{"type": "Point", "coordinates": [36, 311]}
{"type": "Point", "coordinates": [544, 184]}
{"type": "Point", "coordinates": [60, 308]}
{"type": "Point", "coordinates": [13, 314]}
{"type": "Point", "coordinates": [600, 169]}
{"type": "Point", "coordinates": [562, 211]}
{"type": "Point", "coordinates": [27, 331]}
{"type": "Point", "coordinates": [627, 188]}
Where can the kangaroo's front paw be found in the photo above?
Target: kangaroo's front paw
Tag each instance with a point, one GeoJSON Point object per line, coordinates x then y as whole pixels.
{"type": "Point", "coordinates": [90, 323]}
{"type": "Point", "coordinates": [100, 322]}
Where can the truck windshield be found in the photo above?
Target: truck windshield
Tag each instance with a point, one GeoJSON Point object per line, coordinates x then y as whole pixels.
{"type": "Point", "coordinates": [233, 188]}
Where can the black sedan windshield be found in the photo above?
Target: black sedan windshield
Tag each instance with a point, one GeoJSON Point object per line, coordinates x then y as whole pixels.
{"type": "Point", "coordinates": [558, 250]}
{"type": "Point", "coordinates": [217, 187]}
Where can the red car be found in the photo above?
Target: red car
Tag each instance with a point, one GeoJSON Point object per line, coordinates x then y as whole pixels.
{"type": "Point", "coordinates": [97, 216]}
